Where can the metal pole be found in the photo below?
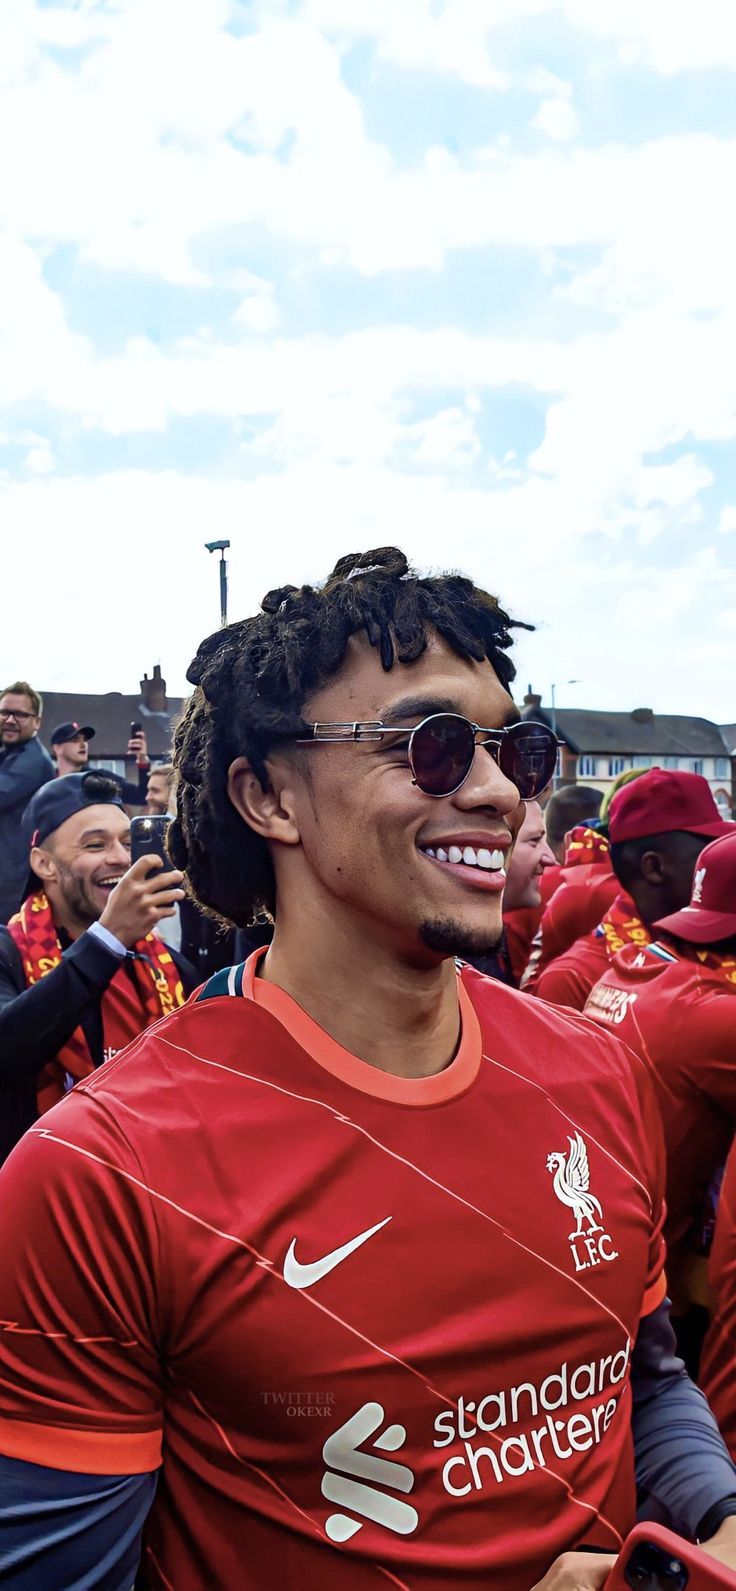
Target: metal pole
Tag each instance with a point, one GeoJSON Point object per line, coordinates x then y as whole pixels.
{"type": "Point", "coordinates": [554, 732]}
{"type": "Point", "coordinates": [223, 590]}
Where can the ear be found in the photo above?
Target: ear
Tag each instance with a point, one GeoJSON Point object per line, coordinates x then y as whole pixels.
{"type": "Point", "coordinates": [652, 867]}
{"type": "Point", "coordinates": [269, 812]}
{"type": "Point", "coordinates": [43, 864]}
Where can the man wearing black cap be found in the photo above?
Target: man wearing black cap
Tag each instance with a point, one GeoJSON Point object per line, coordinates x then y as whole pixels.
{"type": "Point", "coordinates": [70, 747]}
{"type": "Point", "coordinates": [82, 970]}
{"type": "Point", "coordinates": [70, 751]}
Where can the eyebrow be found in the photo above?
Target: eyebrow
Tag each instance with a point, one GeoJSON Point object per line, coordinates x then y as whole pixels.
{"type": "Point", "coordinates": [425, 706]}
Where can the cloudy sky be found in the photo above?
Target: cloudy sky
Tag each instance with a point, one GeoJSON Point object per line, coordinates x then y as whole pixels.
{"type": "Point", "coordinates": [317, 276]}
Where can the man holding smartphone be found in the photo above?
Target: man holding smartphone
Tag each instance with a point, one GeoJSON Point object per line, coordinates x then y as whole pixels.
{"type": "Point", "coordinates": [373, 1293]}
{"type": "Point", "coordinates": [82, 968]}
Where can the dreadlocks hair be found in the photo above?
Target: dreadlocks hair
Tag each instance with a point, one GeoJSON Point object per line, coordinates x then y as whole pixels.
{"type": "Point", "coordinates": [251, 682]}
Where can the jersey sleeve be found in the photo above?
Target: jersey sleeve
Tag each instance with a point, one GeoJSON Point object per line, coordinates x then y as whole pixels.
{"type": "Point", "coordinates": [717, 1376]}
{"type": "Point", "coordinates": [654, 1164]}
{"type": "Point", "coordinates": [79, 1366]}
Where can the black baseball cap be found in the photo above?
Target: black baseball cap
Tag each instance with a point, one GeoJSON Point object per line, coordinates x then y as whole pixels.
{"type": "Point", "coordinates": [64, 732]}
{"type": "Point", "coordinates": [61, 798]}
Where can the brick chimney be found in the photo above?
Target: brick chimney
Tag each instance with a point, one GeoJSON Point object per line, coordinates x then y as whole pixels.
{"type": "Point", "coordinates": [532, 700]}
{"type": "Point", "coordinates": [153, 691]}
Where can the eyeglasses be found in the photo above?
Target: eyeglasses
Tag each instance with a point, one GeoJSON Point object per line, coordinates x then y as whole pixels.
{"type": "Point", "coordinates": [441, 750]}
{"type": "Point", "coordinates": [13, 712]}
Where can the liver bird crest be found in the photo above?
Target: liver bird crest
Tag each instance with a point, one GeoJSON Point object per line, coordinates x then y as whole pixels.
{"type": "Point", "coordinates": [572, 1184]}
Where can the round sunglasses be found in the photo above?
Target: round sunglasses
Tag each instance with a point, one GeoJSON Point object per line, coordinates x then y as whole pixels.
{"type": "Point", "coordinates": [441, 750]}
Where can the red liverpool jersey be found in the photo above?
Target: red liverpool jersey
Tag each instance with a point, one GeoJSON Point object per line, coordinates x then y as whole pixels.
{"type": "Point", "coordinates": [717, 1376]}
{"type": "Point", "coordinates": [569, 979]}
{"type": "Point", "coordinates": [380, 1329]}
{"type": "Point", "coordinates": [680, 1017]}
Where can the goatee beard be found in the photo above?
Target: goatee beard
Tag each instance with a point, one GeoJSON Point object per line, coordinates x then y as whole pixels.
{"type": "Point", "coordinates": [452, 938]}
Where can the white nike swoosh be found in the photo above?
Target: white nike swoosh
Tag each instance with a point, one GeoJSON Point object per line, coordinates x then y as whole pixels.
{"type": "Point", "coordinates": [296, 1275]}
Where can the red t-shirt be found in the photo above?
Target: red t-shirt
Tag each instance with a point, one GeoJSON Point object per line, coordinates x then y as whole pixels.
{"type": "Point", "coordinates": [569, 979]}
{"type": "Point", "coordinates": [347, 1303]}
{"type": "Point", "coordinates": [680, 1017]}
{"type": "Point", "coordinates": [718, 1359]}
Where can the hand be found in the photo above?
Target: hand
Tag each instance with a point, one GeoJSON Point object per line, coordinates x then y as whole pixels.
{"type": "Point", "coordinates": [138, 748]}
{"type": "Point", "coordinates": [577, 1571]}
{"type": "Point", "coordinates": [723, 1544]}
{"type": "Point", "coordinates": [144, 895]}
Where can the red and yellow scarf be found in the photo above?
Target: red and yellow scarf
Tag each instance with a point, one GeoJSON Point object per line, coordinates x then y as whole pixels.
{"type": "Point", "coordinates": [621, 926]}
{"type": "Point", "coordinates": [156, 980]}
{"type": "Point", "coordinates": [585, 847]}
{"type": "Point", "coordinates": [725, 966]}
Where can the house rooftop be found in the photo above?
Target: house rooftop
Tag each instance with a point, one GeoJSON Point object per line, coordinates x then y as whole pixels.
{"type": "Point", "coordinates": [640, 732]}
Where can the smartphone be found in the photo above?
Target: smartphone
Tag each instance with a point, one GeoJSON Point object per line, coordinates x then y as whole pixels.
{"type": "Point", "coordinates": [655, 1559]}
{"type": "Point", "coordinates": [135, 729]}
{"type": "Point", "coordinates": [148, 838]}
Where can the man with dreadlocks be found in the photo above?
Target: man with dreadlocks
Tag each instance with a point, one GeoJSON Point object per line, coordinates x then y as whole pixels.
{"type": "Point", "coordinates": [360, 1252]}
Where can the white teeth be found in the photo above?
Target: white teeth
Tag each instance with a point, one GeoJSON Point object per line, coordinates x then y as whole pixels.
{"type": "Point", "coordinates": [429, 851]}
{"type": "Point", "coordinates": [456, 854]}
{"type": "Point", "coordinates": [496, 859]}
{"type": "Point", "coordinates": [442, 856]}
{"type": "Point", "coordinates": [484, 858]}
{"type": "Point", "coordinates": [469, 856]}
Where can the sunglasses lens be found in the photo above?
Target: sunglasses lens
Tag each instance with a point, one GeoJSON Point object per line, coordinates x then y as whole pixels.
{"type": "Point", "coordinates": [528, 757]}
{"type": "Point", "coordinates": [442, 751]}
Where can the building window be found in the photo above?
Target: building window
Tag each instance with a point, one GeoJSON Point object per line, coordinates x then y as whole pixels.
{"type": "Point", "coordinates": [671, 762]}
{"type": "Point", "coordinates": [111, 765]}
{"type": "Point", "coordinates": [722, 768]}
{"type": "Point", "coordinates": [616, 766]}
{"type": "Point", "coordinates": [697, 765]}
{"type": "Point", "coordinates": [586, 767]}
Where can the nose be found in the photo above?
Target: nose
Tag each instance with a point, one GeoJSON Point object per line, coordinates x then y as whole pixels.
{"type": "Point", "coordinates": [487, 786]}
{"type": "Point", "coordinates": [117, 854]}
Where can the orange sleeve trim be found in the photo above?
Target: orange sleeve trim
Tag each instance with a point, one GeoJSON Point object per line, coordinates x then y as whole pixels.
{"type": "Point", "coordinates": [654, 1295]}
{"type": "Point", "coordinates": [86, 1452]}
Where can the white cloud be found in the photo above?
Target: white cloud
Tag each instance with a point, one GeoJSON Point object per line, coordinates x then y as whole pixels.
{"type": "Point", "coordinates": [39, 460]}
{"type": "Point", "coordinates": [257, 312]}
{"type": "Point", "coordinates": [556, 119]}
{"type": "Point", "coordinates": [173, 149]}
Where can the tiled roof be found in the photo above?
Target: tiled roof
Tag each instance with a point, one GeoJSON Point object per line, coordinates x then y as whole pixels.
{"type": "Point", "coordinates": [111, 716]}
{"type": "Point", "coordinates": [655, 734]}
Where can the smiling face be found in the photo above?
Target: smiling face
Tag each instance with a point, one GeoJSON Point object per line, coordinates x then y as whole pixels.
{"type": "Point", "coordinates": [22, 724]}
{"type": "Point", "coordinates": [531, 855]}
{"type": "Point", "coordinates": [81, 863]}
{"type": "Point", "coordinates": [372, 855]}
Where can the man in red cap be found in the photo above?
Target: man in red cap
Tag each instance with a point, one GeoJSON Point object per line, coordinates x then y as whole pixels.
{"type": "Point", "coordinates": [673, 1004]}
{"type": "Point", "coordinates": [658, 826]}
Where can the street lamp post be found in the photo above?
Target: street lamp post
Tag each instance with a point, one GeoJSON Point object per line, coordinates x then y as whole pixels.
{"type": "Point", "coordinates": [554, 717]}
{"type": "Point", "coordinates": [221, 547]}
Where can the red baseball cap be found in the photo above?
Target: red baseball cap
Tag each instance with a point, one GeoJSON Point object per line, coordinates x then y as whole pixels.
{"type": "Point", "coordinates": [659, 802]}
{"type": "Point", "coordinates": [711, 914]}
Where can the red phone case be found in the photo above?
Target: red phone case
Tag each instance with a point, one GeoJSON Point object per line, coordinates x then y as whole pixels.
{"type": "Point", "coordinates": [704, 1573]}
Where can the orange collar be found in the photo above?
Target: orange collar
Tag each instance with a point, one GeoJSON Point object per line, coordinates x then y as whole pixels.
{"type": "Point", "coordinates": [434, 1090]}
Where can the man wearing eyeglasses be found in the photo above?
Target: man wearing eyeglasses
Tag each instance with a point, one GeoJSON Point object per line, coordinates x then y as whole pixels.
{"type": "Point", "coordinates": [24, 766]}
{"type": "Point", "coordinates": [349, 1274]}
